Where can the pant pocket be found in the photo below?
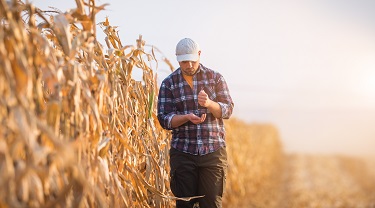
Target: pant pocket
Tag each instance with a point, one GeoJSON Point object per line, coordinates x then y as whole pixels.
{"type": "Point", "coordinates": [173, 183]}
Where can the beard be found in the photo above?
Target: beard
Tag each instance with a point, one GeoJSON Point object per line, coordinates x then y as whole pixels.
{"type": "Point", "coordinates": [189, 71]}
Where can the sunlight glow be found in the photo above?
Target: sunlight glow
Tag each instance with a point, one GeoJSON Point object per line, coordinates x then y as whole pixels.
{"type": "Point", "coordinates": [368, 77]}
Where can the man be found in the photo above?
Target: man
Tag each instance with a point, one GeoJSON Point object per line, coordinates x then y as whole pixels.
{"type": "Point", "coordinates": [193, 101]}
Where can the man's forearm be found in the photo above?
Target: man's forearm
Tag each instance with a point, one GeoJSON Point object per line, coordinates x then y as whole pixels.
{"type": "Point", "coordinates": [215, 109]}
{"type": "Point", "coordinates": [178, 120]}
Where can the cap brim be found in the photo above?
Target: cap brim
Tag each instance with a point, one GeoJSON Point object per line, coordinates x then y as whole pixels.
{"type": "Point", "coordinates": [187, 57]}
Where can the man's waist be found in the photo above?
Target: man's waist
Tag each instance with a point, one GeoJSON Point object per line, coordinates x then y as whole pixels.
{"type": "Point", "coordinates": [198, 149]}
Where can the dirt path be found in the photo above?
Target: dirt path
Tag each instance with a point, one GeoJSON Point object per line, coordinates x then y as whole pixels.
{"type": "Point", "coordinates": [327, 181]}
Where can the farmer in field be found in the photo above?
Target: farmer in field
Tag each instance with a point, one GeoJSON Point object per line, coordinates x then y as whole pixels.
{"type": "Point", "coordinates": [193, 101]}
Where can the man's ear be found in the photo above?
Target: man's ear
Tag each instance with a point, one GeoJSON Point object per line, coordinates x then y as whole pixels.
{"type": "Point", "coordinates": [199, 53]}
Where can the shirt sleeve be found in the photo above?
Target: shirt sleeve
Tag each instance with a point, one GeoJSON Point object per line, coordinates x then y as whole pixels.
{"type": "Point", "coordinates": [224, 99]}
{"type": "Point", "coordinates": [166, 109]}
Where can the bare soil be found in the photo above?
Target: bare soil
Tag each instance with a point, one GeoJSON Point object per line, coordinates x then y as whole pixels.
{"type": "Point", "coordinates": [327, 181]}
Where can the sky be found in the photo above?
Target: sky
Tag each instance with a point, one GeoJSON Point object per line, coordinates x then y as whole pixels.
{"type": "Point", "coordinates": [307, 67]}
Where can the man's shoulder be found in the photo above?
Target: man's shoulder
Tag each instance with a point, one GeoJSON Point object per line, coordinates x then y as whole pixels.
{"type": "Point", "coordinates": [210, 72]}
{"type": "Point", "coordinates": [172, 77]}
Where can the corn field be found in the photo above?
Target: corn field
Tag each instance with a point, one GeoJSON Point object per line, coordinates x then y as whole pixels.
{"type": "Point", "coordinates": [255, 159]}
{"type": "Point", "coordinates": [77, 130]}
{"type": "Point", "coordinates": [260, 174]}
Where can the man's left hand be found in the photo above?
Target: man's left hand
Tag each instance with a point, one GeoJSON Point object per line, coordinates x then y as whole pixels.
{"type": "Point", "coordinates": [203, 99]}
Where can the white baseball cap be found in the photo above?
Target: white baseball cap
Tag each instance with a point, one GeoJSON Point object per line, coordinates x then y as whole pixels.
{"type": "Point", "coordinates": [187, 50]}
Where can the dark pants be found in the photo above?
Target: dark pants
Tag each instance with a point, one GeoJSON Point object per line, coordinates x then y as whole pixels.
{"type": "Point", "coordinates": [195, 175]}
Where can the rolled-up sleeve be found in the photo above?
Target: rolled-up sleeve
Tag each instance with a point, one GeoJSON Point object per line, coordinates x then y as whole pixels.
{"type": "Point", "coordinates": [224, 99]}
{"type": "Point", "coordinates": [166, 109]}
{"type": "Point", "coordinates": [226, 110]}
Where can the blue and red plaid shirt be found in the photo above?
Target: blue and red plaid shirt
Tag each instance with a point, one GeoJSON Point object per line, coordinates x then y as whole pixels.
{"type": "Point", "coordinates": [176, 97]}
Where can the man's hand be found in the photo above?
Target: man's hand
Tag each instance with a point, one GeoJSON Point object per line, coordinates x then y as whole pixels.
{"type": "Point", "coordinates": [178, 120]}
{"type": "Point", "coordinates": [211, 105]}
{"type": "Point", "coordinates": [203, 99]}
{"type": "Point", "coordinates": [196, 119]}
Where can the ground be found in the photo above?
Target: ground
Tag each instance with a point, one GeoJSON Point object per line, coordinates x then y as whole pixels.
{"type": "Point", "coordinates": [327, 181]}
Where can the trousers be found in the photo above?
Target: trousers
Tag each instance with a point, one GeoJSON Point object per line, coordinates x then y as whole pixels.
{"type": "Point", "coordinates": [198, 175]}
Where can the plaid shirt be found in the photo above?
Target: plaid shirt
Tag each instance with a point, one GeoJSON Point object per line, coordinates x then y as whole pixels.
{"type": "Point", "coordinates": [176, 97]}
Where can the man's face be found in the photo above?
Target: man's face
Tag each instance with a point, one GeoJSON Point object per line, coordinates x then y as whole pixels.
{"type": "Point", "coordinates": [189, 68]}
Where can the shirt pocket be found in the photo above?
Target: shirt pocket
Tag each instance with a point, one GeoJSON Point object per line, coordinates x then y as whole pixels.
{"type": "Point", "coordinates": [179, 102]}
{"type": "Point", "coordinates": [210, 91]}
{"type": "Point", "coordinates": [183, 104]}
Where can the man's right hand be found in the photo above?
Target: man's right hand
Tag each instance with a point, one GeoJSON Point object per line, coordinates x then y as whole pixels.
{"type": "Point", "coordinates": [178, 120]}
{"type": "Point", "coordinates": [196, 119]}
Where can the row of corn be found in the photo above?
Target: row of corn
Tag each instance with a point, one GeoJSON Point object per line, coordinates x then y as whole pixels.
{"type": "Point", "coordinates": [78, 131]}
